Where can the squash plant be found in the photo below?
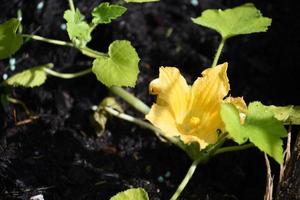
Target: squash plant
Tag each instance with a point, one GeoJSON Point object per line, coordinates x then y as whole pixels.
{"type": "Point", "coordinates": [197, 118]}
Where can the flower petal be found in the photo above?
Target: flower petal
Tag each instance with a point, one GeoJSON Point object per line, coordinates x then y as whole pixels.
{"type": "Point", "coordinates": [172, 92]}
{"type": "Point", "coordinates": [207, 95]}
{"type": "Point", "coordinates": [240, 104]}
{"type": "Point", "coordinates": [161, 117]}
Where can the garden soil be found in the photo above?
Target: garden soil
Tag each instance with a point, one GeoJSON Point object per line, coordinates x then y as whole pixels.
{"type": "Point", "coordinates": [58, 153]}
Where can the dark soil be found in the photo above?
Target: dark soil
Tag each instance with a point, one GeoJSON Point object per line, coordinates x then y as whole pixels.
{"type": "Point", "coordinates": [59, 154]}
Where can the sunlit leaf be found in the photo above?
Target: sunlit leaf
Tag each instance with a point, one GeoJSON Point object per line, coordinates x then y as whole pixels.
{"type": "Point", "coordinates": [104, 13]}
{"type": "Point", "coordinates": [120, 68]}
{"type": "Point", "coordinates": [140, 1]}
{"type": "Point", "coordinates": [131, 194]}
{"type": "Point", "coordinates": [78, 29]}
{"type": "Point", "coordinates": [260, 127]}
{"type": "Point", "coordinates": [32, 77]}
{"type": "Point", "coordinates": [10, 42]}
{"type": "Point", "coordinates": [287, 114]}
{"type": "Point", "coordinates": [231, 117]}
{"type": "Point", "coordinates": [244, 19]}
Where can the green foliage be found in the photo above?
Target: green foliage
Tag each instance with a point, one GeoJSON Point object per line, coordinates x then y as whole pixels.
{"type": "Point", "coordinates": [260, 127]}
{"type": "Point", "coordinates": [120, 68]}
{"type": "Point", "coordinates": [287, 114]}
{"type": "Point", "coordinates": [78, 29]}
{"type": "Point", "coordinates": [131, 194]}
{"type": "Point", "coordinates": [10, 42]}
{"type": "Point", "coordinates": [104, 13]}
{"type": "Point", "coordinates": [32, 77]}
{"type": "Point", "coordinates": [244, 19]}
{"type": "Point", "coordinates": [140, 1]}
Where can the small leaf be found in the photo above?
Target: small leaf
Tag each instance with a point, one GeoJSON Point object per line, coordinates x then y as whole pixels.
{"type": "Point", "coordinates": [100, 115]}
{"type": "Point", "coordinates": [78, 29]}
{"type": "Point", "coordinates": [140, 1]}
{"type": "Point", "coordinates": [260, 126]}
{"type": "Point", "coordinates": [32, 77]}
{"type": "Point", "coordinates": [10, 42]}
{"type": "Point", "coordinates": [131, 194]}
{"type": "Point", "coordinates": [244, 19]}
{"type": "Point", "coordinates": [104, 13]}
{"type": "Point", "coordinates": [287, 114]}
{"type": "Point", "coordinates": [120, 68]}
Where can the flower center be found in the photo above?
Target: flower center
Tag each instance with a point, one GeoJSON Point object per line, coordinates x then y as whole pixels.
{"type": "Point", "coordinates": [189, 126]}
{"type": "Point", "coordinates": [194, 122]}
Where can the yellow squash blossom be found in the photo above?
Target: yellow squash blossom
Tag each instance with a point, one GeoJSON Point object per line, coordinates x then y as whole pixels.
{"type": "Point", "coordinates": [191, 112]}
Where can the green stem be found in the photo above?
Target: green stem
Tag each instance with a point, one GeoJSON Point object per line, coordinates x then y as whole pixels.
{"type": "Point", "coordinates": [84, 50]}
{"type": "Point", "coordinates": [67, 75]}
{"type": "Point", "coordinates": [129, 98]}
{"type": "Point", "coordinates": [131, 119]}
{"type": "Point", "coordinates": [71, 5]}
{"type": "Point", "coordinates": [92, 53]}
{"type": "Point", "coordinates": [233, 148]}
{"type": "Point", "coordinates": [144, 124]}
{"type": "Point", "coordinates": [203, 157]}
{"type": "Point", "coordinates": [21, 103]}
{"type": "Point", "coordinates": [218, 53]}
{"type": "Point", "coordinates": [47, 40]}
{"type": "Point", "coordinates": [186, 179]}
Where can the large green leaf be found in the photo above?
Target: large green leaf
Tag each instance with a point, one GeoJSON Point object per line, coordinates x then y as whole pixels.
{"type": "Point", "coordinates": [10, 42]}
{"type": "Point", "coordinates": [32, 77]}
{"type": "Point", "coordinates": [260, 127]}
{"type": "Point", "coordinates": [131, 194]}
{"type": "Point", "coordinates": [244, 19]}
{"type": "Point", "coordinates": [287, 114]}
{"type": "Point", "coordinates": [78, 29]}
{"type": "Point", "coordinates": [104, 13]}
{"type": "Point", "coordinates": [120, 68]}
{"type": "Point", "coordinates": [140, 1]}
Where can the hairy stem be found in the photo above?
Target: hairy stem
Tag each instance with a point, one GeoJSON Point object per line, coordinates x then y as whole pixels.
{"type": "Point", "coordinates": [131, 119]}
{"type": "Point", "coordinates": [84, 50]}
{"type": "Point", "coordinates": [144, 124]}
{"type": "Point", "coordinates": [186, 179]}
{"type": "Point", "coordinates": [71, 5]}
{"type": "Point", "coordinates": [203, 157]}
{"type": "Point", "coordinates": [218, 53]}
{"type": "Point", "coordinates": [67, 75]}
{"type": "Point", "coordinates": [129, 98]}
{"type": "Point", "coordinates": [47, 40]}
{"type": "Point", "coordinates": [233, 148]}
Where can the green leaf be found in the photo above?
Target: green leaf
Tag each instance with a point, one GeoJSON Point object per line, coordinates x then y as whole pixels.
{"type": "Point", "coordinates": [140, 1]}
{"type": "Point", "coordinates": [78, 29]}
{"type": "Point", "coordinates": [32, 77]}
{"type": "Point", "coordinates": [120, 68]}
{"type": "Point", "coordinates": [104, 13]}
{"type": "Point", "coordinates": [260, 127]}
{"type": "Point", "coordinates": [10, 42]}
{"type": "Point", "coordinates": [244, 19]}
{"type": "Point", "coordinates": [287, 114]}
{"type": "Point", "coordinates": [131, 194]}
{"type": "Point", "coordinates": [231, 117]}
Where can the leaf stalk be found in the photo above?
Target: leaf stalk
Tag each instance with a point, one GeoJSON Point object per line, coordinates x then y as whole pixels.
{"type": "Point", "coordinates": [84, 50]}
{"type": "Point", "coordinates": [234, 148]}
{"type": "Point", "coordinates": [129, 98]}
{"type": "Point", "coordinates": [218, 53]}
{"type": "Point", "coordinates": [67, 75]}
